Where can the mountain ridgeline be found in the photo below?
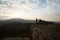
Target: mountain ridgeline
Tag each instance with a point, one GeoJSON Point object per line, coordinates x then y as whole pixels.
{"type": "Point", "coordinates": [17, 20]}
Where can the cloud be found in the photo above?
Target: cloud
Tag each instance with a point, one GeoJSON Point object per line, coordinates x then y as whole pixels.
{"type": "Point", "coordinates": [28, 8]}
{"type": "Point", "coordinates": [25, 4]}
{"type": "Point", "coordinates": [5, 3]}
{"type": "Point", "coordinates": [53, 5]}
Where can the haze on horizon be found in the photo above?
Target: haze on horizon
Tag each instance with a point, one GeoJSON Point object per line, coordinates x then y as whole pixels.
{"type": "Point", "coordinates": [30, 9]}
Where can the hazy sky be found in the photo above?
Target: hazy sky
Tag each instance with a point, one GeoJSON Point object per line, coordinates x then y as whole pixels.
{"type": "Point", "coordinates": [30, 9]}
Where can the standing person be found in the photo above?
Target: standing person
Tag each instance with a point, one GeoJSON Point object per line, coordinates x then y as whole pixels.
{"type": "Point", "coordinates": [36, 20]}
{"type": "Point", "coordinates": [40, 21]}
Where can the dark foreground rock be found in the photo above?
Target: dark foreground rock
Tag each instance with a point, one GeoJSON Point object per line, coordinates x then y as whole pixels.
{"type": "Point", "coordinates": [37, 32]}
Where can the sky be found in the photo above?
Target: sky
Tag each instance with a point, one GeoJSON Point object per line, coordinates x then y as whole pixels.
{"type": "Point", "coordinates": [30, 9]}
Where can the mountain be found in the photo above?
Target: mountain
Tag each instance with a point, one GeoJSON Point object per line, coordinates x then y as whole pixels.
{"type": "Point", "coordinates": [17, 20]}
{"type": "Point", "coordinates": [25, 21]}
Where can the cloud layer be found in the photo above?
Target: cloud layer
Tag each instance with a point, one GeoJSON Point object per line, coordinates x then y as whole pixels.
{"type": "Point", "coordinates": [44, 9]}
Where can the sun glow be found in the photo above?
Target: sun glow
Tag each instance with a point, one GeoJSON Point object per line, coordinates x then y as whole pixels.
{"type": "Point", "coordinates": [16, 15]}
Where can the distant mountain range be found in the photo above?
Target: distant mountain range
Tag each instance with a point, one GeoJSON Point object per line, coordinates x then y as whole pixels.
{"type": "Point", "coordinates": [17, 20]}
{"type": "Point", "coordinates": [22, 21]}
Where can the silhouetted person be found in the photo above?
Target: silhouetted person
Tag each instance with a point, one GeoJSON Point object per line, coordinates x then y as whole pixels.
{"type": "Point", "coordinates": [39, 21]}
{"type": "Point", "coordinates": [36, 20]}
